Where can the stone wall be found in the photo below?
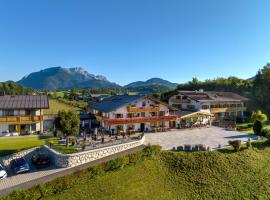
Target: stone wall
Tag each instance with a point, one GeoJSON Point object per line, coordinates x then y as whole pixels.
{"type": "Point", "coordinates": [71, 160]}
{"type": "Point", "coordinates": [5, 160]}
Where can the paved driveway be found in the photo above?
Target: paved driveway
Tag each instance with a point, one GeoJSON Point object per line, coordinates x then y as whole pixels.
{"type": "Point", "coordinates": [213, 137]}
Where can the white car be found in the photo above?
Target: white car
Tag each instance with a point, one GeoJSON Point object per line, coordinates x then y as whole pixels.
{"type": "Point", "coordinates": [3, 173]}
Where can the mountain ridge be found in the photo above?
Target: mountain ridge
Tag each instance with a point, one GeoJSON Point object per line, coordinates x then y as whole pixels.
{"type": "Point", "coordinates": [152, 81]}
{"type": "Point", "coordinates": [59, 78]}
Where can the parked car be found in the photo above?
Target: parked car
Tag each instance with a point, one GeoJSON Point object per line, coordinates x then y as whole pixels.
{"type": "Point", "coordinates": [20, 165]}
{"type": "Point", "coordinates": [3, 173]}
{"type": "Point", "coordinates": [41, 160]}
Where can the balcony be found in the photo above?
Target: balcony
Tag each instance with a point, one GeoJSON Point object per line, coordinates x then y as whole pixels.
{"type": "Point", "coordinates": [143, 109]}
{"type": "Point", "coordinates": [20, 119]}
{"type": "Point", "coordinates": [230, 109]}
{"type": "Point", "coordinates": [139, 119]}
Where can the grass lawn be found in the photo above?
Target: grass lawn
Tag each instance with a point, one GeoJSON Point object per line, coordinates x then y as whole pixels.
{"type": "Point", "coordinates": [57, 93]}
{"type": "Point", "coordinates": [13, 145]}
{"type": "Point", "coordinates": [169, 175]}
{"type": "Point", "coordinates": [62, 148]}
{"type": "Point", "coordinates": [56, 106]}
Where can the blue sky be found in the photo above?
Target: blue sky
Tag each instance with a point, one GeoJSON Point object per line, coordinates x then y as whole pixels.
{"type": "Point", "coordinates": [129, 40]}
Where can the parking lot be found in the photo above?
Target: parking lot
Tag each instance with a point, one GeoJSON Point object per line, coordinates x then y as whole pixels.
{"type": "Point", "coordinates": [212, 137]}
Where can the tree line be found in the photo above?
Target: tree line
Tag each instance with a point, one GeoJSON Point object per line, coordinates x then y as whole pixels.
{"type": "Point", "coordinates": [12, 88]}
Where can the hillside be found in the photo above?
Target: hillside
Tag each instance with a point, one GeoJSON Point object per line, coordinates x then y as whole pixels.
{"type": "Point", "coordinates": [148, 89]}
{"type": "Point", "coordinates": [152, 81]}
{"type": "Point", "coordinates": [10, 87]}
{"type": "Point", "coordinates": [168, 175]}
{"type": "Point", "coordinates": [58, 78]}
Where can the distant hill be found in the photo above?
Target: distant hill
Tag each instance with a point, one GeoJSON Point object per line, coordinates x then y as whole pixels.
{"type": "Point", "coordinates": [58, 78]}
{"type": "Point", "coordinates": [148, 89]}
{"type": "Point", "coordinates": [12, 88]}
{"type": "Point", "coordinates": [152, 81]}
{"type": "Point", "coordinates": [252, 78]}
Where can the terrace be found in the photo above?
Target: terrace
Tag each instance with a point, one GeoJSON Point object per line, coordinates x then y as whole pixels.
{"type": "Point", "coordinates": [139, 119]}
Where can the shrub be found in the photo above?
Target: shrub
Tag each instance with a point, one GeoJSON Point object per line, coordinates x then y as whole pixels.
{"type": "Point", "coordinates": [257, 127]}
{"type": "Point", "coordinates": [180, 148]}
{"type": "Point", "coordinates": [151, 151]}
{"type": "Point", "coordinates": [265, 132]}
{"type": "Point", "coordinates": [115, 164]}
{"type": "Point", "coordinates": [96, 170]}
{"type": "Point", "coordinates": [236, 144]}
{"type": "Point", "coordinates": [187, 147]}
{"type": "Point", "coordinates": [249, 145]}
{"type": "Point", "coordinates": [44, 190]}
{"type": "Point", "coordinates": [135, 157]}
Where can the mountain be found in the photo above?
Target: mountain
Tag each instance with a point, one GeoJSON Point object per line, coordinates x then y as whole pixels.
{"type": "Point", "coordinates": [152, 81]}
{"type": "Point", "coordinates": [58, 78]}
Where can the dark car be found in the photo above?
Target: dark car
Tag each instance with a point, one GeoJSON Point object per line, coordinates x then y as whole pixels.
{"type": "Point", "coordinates": [41, 160]}
{"type": "Point", "coordinates": [20, 165]}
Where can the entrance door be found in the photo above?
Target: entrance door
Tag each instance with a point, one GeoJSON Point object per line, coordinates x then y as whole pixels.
{"type": "Point", "coordinates": [142, 127]}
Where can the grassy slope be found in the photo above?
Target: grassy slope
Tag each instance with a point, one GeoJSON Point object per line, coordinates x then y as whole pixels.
{"type": "Point", "coordinates": [55, 106]}
{"type": "Point", "coordinates": [199, 175]}
{"type": "Point", "coordinates": [184, 176]}
{"type": "Point", "coordinates": [12, 145]}
{"type": "Point", "coordinates": [144, 181]}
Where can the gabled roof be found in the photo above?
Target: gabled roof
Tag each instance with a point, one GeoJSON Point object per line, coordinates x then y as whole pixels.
{"type": "Point", "coordinates": [24, 102]}
{"type": "Point", "coordinates": [114, 102]}
{"type": "Point", "coordinates": [212, 96]}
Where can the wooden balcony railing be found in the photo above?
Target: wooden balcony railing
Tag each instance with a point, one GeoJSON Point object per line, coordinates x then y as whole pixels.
{"type": "Point", "coordinates": [143, 109]}
{"type": "Point", "coordinates": [19, 119]}
{"type": "Point", "coordinates": [230, 109]}
{"type": "Point", "coordinates": [139, 119]}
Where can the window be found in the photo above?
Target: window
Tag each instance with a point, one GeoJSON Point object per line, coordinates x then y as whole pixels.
{"type": "Point", "coordinates": [153, 114]}
{"type": "Point", "coordinates": [204, 107]}
{"type": "Point", "coordinates": [178, 97]}
{"type": "Point", "coordinates": [191, 107]}
{"type": "Point", "coordinates": [161, 113]}
{"type": "Point", "coordinates": [118, 116]}
{"type": "Point", "coordinates": [8, 112]}
{"type": "Point", "coordinates": [143, 114]}
{"type": "Point", "coordinates": [12, 128]}
{"type": "Point", "coordinates": [27, 112]}
{"type": "Point", "coordinates": [144, 103]}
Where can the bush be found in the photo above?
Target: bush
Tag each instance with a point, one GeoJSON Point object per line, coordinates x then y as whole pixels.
{"type": "Point", "coordinates": [115, 164]}
{"type": "Point", "coordinates": [249, 144]}
{"type": "Point", "coordinates": [135, 157]}
{"type": "Point", "coordinates": [236, 144]}
{"type": "Point", "coordinates": [151, 151]}
{"type": "Point", "coordinates": [265, 132]}
{"type": "Point", "coordinates": [96, 170]}
{"type": "Point", "coordinates": [257, 127]}
{"type": "Point", "coordinates": [44, 190]}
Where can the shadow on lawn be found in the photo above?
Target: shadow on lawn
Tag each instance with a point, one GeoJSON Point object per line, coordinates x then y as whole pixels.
{"type": "Point", "coordinates": [240, 137]}
{"type": "Point", "coordinates": [261, 145]}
